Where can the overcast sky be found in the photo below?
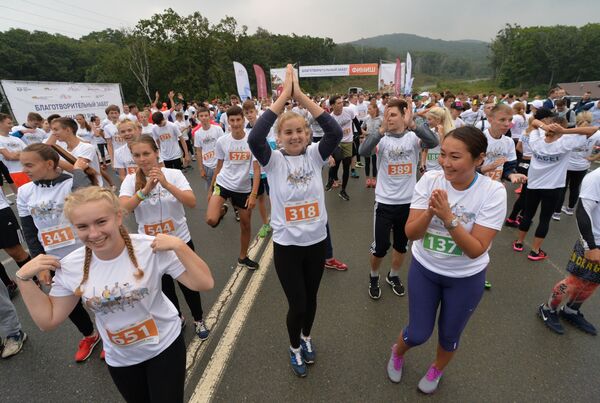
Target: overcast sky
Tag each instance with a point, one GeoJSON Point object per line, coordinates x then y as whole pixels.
{"type": "Point", "coordinates": [343, 21]}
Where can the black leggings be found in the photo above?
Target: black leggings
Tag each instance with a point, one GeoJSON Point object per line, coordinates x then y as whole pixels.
{"type": "Point", "coordinates": [368, 160]}
{"type": "Point", "coordinates": [573, 182]}
{"type": "Point", "coordinates": [81, 319]}
{"type": "Point", "coordinates": [300, 269]}
{"type": "Point", "coordinates": [333, 171]}
{"type": "Point", "coordinates": [519, 205]}
{"type": "Point", "coordinates": [191, 297]}
{"type": "Point", "coordinates": [548, 199]}
{"type": "Point", "coordinates": [159, 379]}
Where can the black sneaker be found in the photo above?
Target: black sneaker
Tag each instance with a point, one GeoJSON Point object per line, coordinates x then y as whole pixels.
{"type": "Point", "coordinates": [374, 290]}
{"type": "Point", "coordinates": [248, 263]}
{"type": "Point", "coordinates": [344, 196]}
{"type": "Point", "coordinates": [396, 284]}
{"type": "Point", "coordinates": [550, 319]}
{"type": "Point", "coordinates": [13, 289]}
{"type": "Point", "coordinates": [577, 320]}
{"type": "Point", "coordinates": [329, 185]}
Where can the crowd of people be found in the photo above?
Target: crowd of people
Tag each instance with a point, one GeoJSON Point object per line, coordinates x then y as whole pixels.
{"type": "Point", "coordinates": [437, 163]}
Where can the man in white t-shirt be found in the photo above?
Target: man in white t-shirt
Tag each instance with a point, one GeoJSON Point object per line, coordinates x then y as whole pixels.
{"type": "Point", "coordinates": [473, 115]}
{"type": "Point", "coordinates": [10, 150]}
{"type": "Point", "coordinates": [110, 132]}
{"type": "Point", "coordinates": [205, 141]}
{"type": "Point", "coordinates": [344, 117]}
{"type": "Point", "coordinates": [169, 138]}
{"type": "Point", "coordinates": [30, 132]}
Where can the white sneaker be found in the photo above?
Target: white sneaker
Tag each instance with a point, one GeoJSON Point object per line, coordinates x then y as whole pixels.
{"type": "Point", "coordinates": [567, 210]}
{"type": "Point", "coordinates": [13, 345]}
{"type": "Point", "coordinates": [556, 216]}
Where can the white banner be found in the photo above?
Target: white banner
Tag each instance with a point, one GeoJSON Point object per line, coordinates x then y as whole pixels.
{"type": "Point", "coordinates": [242, 81]}
{"type": "Point", "coordinates": [408, 80]}
{"type": "Point", "coordinates": [65, 99]}
{"type": "Point", "coordinates": [335, 70]}
{"type": "Point", "coordinates": [386, 77]}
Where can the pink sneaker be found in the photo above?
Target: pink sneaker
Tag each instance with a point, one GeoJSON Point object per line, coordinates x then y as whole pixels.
{"type": "Point", "coordinates": [335, 264]}
{"type": "Point", "coordinates": [429, 383]}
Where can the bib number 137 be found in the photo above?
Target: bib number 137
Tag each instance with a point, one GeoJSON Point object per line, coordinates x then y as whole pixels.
{"type": "Point", "coordinates": [441, 244]}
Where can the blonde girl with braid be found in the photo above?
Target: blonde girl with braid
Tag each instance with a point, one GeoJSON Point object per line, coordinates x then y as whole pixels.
{"type": "Point", "coordinates": [157, 197]}
{"type": "Point", "coordinates": [440, 122]}
{"type": "Point", "coordinates": [138, 325]}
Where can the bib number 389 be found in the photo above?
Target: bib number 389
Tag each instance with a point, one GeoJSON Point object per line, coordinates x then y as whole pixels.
{"type": "Point", "coordinates": [144, 332]}
{"type": "Point", "coordinates": [444, 245]}
{"type": "Point", "coordinates": [400, 169]}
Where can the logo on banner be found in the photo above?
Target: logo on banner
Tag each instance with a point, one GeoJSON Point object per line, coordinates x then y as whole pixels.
{"type": "Point", "coordinates": [364, 69]}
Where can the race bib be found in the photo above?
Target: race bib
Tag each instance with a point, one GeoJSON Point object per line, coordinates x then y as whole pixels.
{"type": "Point", "coordinates": [347, 131]}
{"type": "Point", "coordinates": [239, 156]}
{"type": "Point", "coordinates": [57, 237]}
{"type": "Point", "coordinates": [303, 212]}
{"type": "Point", "coordinates": [144, 332]}
{"type": "Point", "coordinates": [433, 156]}
{"type": "Point", "coordinates": [165, 227]}
{"type": "Point", "coordinates": [495, 174]}
{"type": "Point", "coordinates": [131, 170]}
{"type": "Point", "coordinates": [165, 136]}
{"type": "Point", "coordinates": [438, 242]}
{"type": "Point", "coordinates": [208, 156]}
{"type": "Point", "coordinates": [400, 169]}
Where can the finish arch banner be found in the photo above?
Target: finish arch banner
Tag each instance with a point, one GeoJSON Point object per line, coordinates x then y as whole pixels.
{"type": "Point", "coordinates": [66, 99]}
{"type": "Point", "coordinates": [340, 70]}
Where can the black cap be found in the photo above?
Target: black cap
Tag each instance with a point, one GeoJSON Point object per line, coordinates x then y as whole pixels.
{"type": "Point", "coordinates": [544, 113]}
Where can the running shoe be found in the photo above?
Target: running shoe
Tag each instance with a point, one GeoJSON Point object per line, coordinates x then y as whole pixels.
{"type": "Point", "coordinates": [298, 365]}
{"type": "Point", "coordinates": [359, 164]}
{"type": "Point", "coordinates": [567, 210]}
{"type": "Point", "coordinates": [577, 320]}
{"type": "Point", "coordinates": [556, 216]}
{"type": "Point", "coordinates": [308, 350]}
{"type": "Point", "coordinates": [264, 230]}
{"type": "Point", "coordinates": [329, 185]}
{"type": "Point", "coordinates": [512, 223]}
{"type": "Point", "coordinates": [394, 366]}
{"type": "Point", "coordinates": [429, 383]}
{"type": "Point", "coordinates": [519, 189]}
{"type": "Point", "coordinates": [193, 158]}
{"type": "Point", "coordinates": [248, 263]}
{"type": "Point", "coordinates": [517, 246]}
{"type": "Point", "coordinates": [354, 175]}
{"type": "Point", "coordinates": [335, 264]}
{"type": "Point", "coordinates": [367, 183]}
{"type": "Point", "coordinates": [396, 284]}
{"type": "Point", "coordinates": [374, 290]}
{"type": "Point", "coordinates": [201, 330]}
{"type": "Point", "coordinates": [86, 346]}
{"type": "Point", "coordinates": [14, 344]}
{"type": "Point", "coordinates": [487, 285]}
{"type": "Point", "coordinates": [550, 319]}
{"type": "Point", "coordinates": [13, 289]}
{"type": "Point", "coordinates": [344, 196]}
{"type": "Point", "coordinates": [540, 255]}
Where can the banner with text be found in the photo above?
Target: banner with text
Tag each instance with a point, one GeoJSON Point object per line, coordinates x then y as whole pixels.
{"type": "Point", "coordinates": [66, 99]}
{"type": "Point", "coordinates": [340, 70]}
{"type": "Point", "coordinates": [242, 81]}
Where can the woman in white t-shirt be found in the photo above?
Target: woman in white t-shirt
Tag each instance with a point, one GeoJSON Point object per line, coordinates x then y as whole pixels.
{"type": "Point", "coordinates": [118, 277]}
{"type": "Point", "coordinates": [84, 132]}
{"type": "Point", "coordinates": [157, 197]}
{"type": "Point", "coordinates": [440, 121]}
{"type": "Point", "coordinates": [298, 213]}
{"type": "Point", "coordinates": [520, 123]}
{"type": "Point", "coordinates": [455, 214]}
{"type": "Point", "coordinates": [371, 126]}
{"type": "Point", "coordinates": [547, 173]}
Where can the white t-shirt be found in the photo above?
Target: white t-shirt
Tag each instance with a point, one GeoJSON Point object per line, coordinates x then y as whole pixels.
{"type": "Point", "coordinates": [578, 158]}
{"type": "Point", "coordinates": [224, 123]}
{"type": "Point", "coordinates": [458, 122]}
{"type": "Point", "coordinates": [167, 137]}
{"type": "Point", "coordinates": [161, 211]}
{"type": "Point", "coordinates": [134, 318]}
{"type": "Point", "coordinates": [38, 136]}
{"type": "Point", "coordinates": [89, 152]}
{"type": "Point", "coordinates": [45, 205]}
{"type": "Point", "coordinates": [484, 203]}
{"type": "Point", "coordinates": [207, 140]}
{"type": "Point", "coordinates": [397, 162]}
{"type": "Point", "coordinates": [182, 126]}
{"type": "Point", "coordinates": [3, 200]}
{"type": "Point", "coordinates": [524, 140]}
{"type": "Point", "coordinates": [131, 117]}
{"type": "Point", "coordinates": [344, 119]}
{"type": "Point", "coordinates": [498, 148]}
{"type": "Point", "coordinates": [237, 163]}
{"type": "Point", "coordinates": [361, 111]}
{"type": "Point", "coordinates": [519, 125]}
{"type": "Point", "coordinates": [548, 167]}
{"type": "Point", "coordinates": [590, 190]}
{"type": "Point", "coordinates": [147, 130]}
{"type": "Point", "coordinates": [85, 135]}
{"type": "Point", "coordinates": [124, 160]}
{"type": "Point", "coordinates": [12, 144]}
{"type": "Point", "coordinates": [298, 213]}
{"type": "Point", "coordinates": [111, 132]}
{"type": "Point", "coordinates": [470, 117]}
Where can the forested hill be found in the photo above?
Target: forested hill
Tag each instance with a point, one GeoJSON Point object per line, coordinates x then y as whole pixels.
{"type": "Point", "coordinates": [464, 58]}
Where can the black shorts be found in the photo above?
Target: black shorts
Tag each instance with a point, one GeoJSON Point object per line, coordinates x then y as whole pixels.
{"type": "Point", "coordinates": [174, 164]}
{"type": "Point", "coordinates": [9, 228]}
{"type": "Point", "coordinates": [263, 187]}
{"type": "Point", "coordinates": [389, 217]}
{"type": "Point", "coordinates": [237, 199]}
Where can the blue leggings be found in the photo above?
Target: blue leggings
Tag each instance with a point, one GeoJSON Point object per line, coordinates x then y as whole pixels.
{"type": "Point", "coordinates": [426, 291]}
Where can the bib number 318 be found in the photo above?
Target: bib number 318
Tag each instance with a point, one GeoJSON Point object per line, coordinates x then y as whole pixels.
{"type": "Point", "coordinates": [303, 212]}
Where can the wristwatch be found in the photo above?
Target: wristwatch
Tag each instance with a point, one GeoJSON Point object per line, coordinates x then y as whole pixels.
{"type": "Point", "coordinates": [453, 224]}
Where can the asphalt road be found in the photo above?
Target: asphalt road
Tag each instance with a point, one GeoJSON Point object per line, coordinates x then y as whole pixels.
{"type": "Point", "coordinates": [506, 353]}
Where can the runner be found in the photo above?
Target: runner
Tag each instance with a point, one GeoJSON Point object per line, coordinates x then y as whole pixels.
{"type": "Point", "coordinates": [31, 132]}
{"type": "Point", "coordinates": [139, 326]}
{"type": "Point", "coordinates": [298, 209]}
{"type": "Point", "coordinates": [10, 148]}
{"type": "Point", "coordinates": [129, 131]}
{"type": "Point", "coordinates": [205, 141]}
{"type": "Point", "coordinates": [99, 139]}
{"type": "Point", "coordinates": [440, 122]}
{"type": "Point", "coordinates": [547, 174]}
{"type": "Point", "coordinates": [11, 236]}
{"type": "Point", "coordinates": [371, 126]}
{"type": "Point", "coordinates": [46, 230]}
{"type": "Point", "coordinates": [399, 149]}
{"type": "Point", "coordinates": [84, 130]}
{"type": "Point", "coordinates": [110, 131]}
{"type": "Point", "coordinates": [170, 142]}
{"type": "Point", "coordinates": [454, 216]}
{"type": "Point", "coordinates": [232, 181]}
{"type": "Point", "coordinates": [146, 125]}
{"type": "Point", "coordinates": [583, 265]}
{"type": "Point", "coordinates": [157, 197]}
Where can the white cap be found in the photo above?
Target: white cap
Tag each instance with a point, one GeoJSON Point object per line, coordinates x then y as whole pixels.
{"type": "Point", "coordinates": [537, 104]}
